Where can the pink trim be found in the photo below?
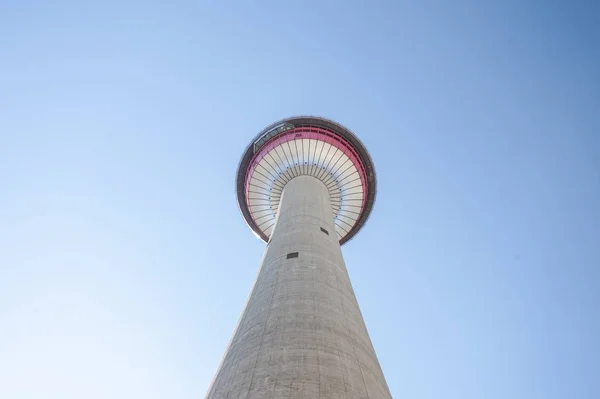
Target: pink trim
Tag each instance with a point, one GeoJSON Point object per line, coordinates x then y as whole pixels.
{"type": "Point", "coordinates": [315, 133]}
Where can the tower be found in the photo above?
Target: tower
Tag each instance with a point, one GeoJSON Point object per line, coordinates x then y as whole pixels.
{"type": "Point", "coordinates": [305, 186]}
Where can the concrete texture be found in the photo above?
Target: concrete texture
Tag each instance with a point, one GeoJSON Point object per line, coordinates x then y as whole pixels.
{"type": "Point", "coordinates": [301, 334]}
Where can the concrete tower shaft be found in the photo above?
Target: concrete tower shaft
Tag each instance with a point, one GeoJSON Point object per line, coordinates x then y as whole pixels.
{"type": "Point", "coordinates": [301, 334]}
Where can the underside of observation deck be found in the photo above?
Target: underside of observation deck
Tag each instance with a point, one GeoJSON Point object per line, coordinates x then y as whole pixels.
{"type": "Point", "coordinates": [306, 146]}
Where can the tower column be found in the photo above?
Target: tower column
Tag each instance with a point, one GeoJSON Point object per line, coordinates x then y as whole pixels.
{"type": "Point", "coordinates": [301, 334]}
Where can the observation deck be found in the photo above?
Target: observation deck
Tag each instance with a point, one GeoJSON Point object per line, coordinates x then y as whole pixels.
{"type": "Point", "coordinates": [313, 146]}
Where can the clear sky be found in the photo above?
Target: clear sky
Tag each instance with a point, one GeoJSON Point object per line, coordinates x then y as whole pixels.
{"type": "Point", "coordinates": [124, 262]}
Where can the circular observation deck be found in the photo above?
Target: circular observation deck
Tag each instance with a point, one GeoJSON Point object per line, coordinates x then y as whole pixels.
{"type": "Point", "coordinates": [306, 146]}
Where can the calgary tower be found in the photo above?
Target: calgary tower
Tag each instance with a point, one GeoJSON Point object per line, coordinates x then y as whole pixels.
{"type": "Point", "coordinates": [305, 185]}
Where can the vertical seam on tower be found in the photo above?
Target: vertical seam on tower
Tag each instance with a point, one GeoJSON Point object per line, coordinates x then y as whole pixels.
{"type": "Point", "coordinates": [271, 356]}
{"type": "Point", "coordinates": [262, 335]}
{"type": "Point", "coordinates": [278, 366]}
{"type": "Point", "coordinates": [315, 324]}
{"type": "Point", "coordinates": [337, 344]}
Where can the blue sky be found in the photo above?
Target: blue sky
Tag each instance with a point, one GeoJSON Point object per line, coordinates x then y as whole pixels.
{"type": "Point", "coordinates": [124, 262]}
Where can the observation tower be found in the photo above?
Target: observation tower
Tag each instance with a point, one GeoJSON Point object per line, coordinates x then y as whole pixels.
{"type": "Point", "coordinates": [305, 186]}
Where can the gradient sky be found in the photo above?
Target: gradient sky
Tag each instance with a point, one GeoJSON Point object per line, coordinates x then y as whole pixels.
{"type": "Point", "coordinates": [124, 262]}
